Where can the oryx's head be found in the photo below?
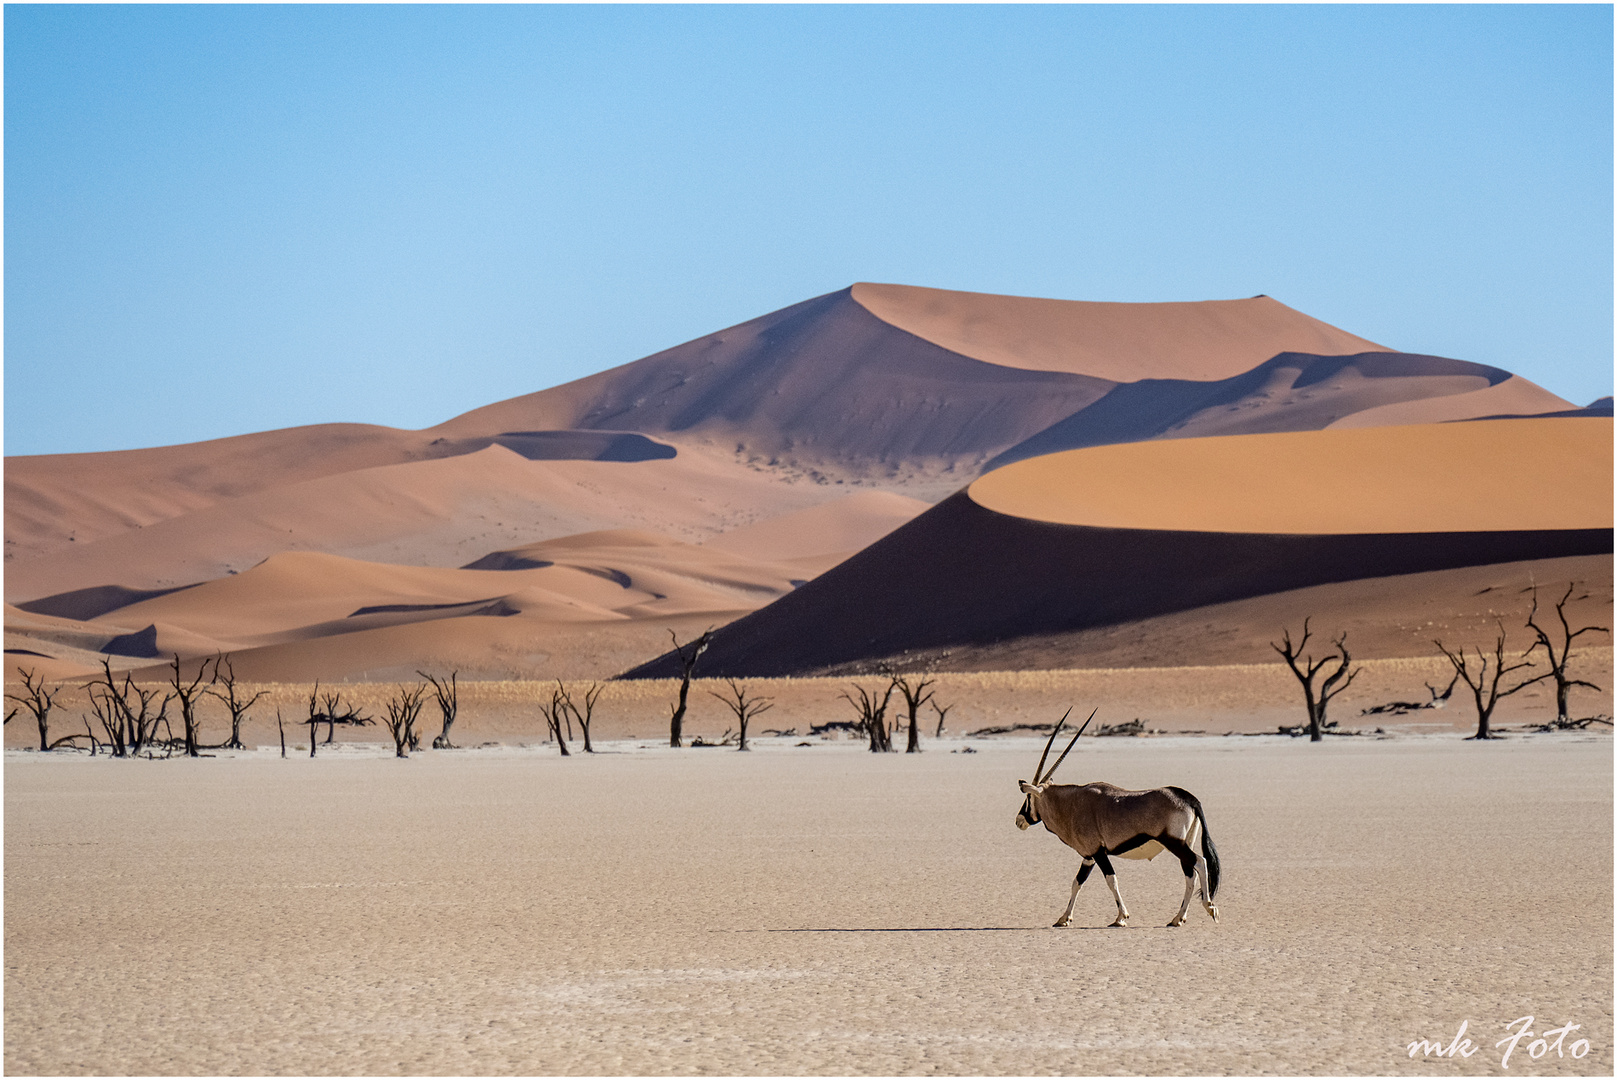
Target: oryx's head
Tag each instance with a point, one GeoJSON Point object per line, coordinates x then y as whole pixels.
{"type": "Point", "coordinates": [1029, 815]}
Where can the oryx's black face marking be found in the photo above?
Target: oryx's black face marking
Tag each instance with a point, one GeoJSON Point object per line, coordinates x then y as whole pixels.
{"type": "Point", "coordinates": [1027, 817]}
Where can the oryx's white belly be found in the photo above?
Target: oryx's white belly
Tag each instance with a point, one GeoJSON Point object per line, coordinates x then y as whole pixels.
{"type": "Point", "coordinates": [1149, 850]}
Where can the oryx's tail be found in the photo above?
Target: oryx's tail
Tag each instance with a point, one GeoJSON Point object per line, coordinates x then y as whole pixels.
{"type": "Point", "coordinates": [1209, 852]}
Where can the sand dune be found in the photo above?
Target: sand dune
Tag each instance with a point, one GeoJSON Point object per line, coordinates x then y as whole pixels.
{"type": "Point", "coordinates": [51, 497]}
{"type": "Point", "coordinates": [1171, 526]}
{"type": "Point", "coordinates": [1293, 392]}
{"type": "Point", "coordinates": [373, 615]}
{"type": "Point", "coordinates": [1488, 475]}
{"type": "Point", "coordinates": [794, 439]}
{"type": "Point", "coordinates": [1383, 617]}
{"type": "Point", "coordinates": [1514, 396]}
{"type": "Point", "coordinates": [1202, 340]}
{"type": "Point", "coordinates": [631, 585]}
{"type": "Point", "coordinates": [824, 381]}
{"type": "Point", "coordinates": [838, 528]}
{"type": "Point", "coordinates": [445, 512]}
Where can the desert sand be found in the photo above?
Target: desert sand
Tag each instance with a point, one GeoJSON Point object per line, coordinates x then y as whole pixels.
{"type": "Point", "coordinates": [1113, 535]}
{"type": "Point", "coordinates": [753, 460]}
{"type": "Point", "coordinates": [1204, 340]}
{"type": "Point", "coordinates": [1484, 476]}
{"type": "Point", "coordinates": [801, 910]}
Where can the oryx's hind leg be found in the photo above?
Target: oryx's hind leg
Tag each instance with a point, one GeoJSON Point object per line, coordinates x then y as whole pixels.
{"type": "Point", "coordinates": [1195, 867]}
{"type": "Point", "coordinates": [1111, 883]}
{"type": "Point", "coordinates": [1077, 883]}
{"type": "Point", "coordinates": [1192, 868]}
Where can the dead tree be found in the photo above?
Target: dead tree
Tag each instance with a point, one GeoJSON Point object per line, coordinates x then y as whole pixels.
{"type": "Point", "coordinates": [584, 715]}
{"type": "Point", "coordinates": [125, 712]}
{"type": "Point", "coordinates": [743, 706]}
{"type": "Point", "coordinates": [1485, 687]}
{"type": "Point", "coordinates": [1558, 661]}
{"type": "Point", "coordinates": [281, 727]}
{"type": "Point", "coordinates": [688, 655]}
{"type": "Point", "coordinates": [1399, 708]}
{"type": "Point", "coordinates": [39, 701]}
{"type": "Point", "coordinates": [914, 697]}
{"type": "Point", "coordinates": [555, 715]}
{"type": "Point", "coordinates": [1317, 699]}
{"type": "Point", "coordinates": [447, 694]}
{"type": "Point", "coordinates": [873, 716]}
{"type": "Point", "coordinates": [402, 710]}
{"type": "Point", "coordinates": [328, 709]}
{"type": "Point", "coordinates": [188, 695]}
{"type": "Point", "coordinates": [942, 711]}
{"type": "Point", "coordinates": [224, 674]}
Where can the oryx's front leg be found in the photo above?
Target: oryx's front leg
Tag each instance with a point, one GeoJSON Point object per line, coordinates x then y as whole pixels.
{"type": "Point", "coordinates": [1077, 883]}
{"type": "Point", "coordinates": [1111, 883]}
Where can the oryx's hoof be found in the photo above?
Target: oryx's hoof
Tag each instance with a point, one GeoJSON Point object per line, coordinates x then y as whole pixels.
{"type": "Point", "coordinates": [1177, 920]}
{"type": "Point", "coordinates": [1060, 923]}
{"type": "Point", "coordinates": [1122, 920]}
{"type": "Point", "coordinates": [1212, 909]}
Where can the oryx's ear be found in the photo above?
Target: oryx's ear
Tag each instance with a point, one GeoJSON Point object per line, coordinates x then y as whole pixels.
{"type": "Point", "coordinates": [1027, 788]}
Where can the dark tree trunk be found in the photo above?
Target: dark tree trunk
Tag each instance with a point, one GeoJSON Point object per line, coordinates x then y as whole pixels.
{"type": "Point", "coordinates": [677, 721]}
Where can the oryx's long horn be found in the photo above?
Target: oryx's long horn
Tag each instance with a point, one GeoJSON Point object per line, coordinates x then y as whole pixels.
{"type": "Point", "coordinates": [1068, 750]}
{"type": "Point", "coordinates": [1050, 742]}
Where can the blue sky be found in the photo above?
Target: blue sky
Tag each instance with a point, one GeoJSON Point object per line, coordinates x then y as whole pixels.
{"type": "Point", "coordinates": [228, 219]}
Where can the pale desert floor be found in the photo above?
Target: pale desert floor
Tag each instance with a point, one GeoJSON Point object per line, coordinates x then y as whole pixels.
{"type": "Point", "coordinates": [799, 910]}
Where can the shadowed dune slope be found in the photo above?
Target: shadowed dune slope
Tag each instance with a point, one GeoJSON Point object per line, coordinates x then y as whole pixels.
{"type": "Point", "coordinates": [1293, 392]}
{"type": "Point", "coordinates": [963, 574]}
{"type": "Point", "coordinates": [822, 380]}
{"type": "Point", "coordinates": [1384, 617]}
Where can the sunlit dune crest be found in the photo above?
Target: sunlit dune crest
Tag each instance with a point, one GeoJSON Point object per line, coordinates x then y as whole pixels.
{"type": "Point", "coordinates": [1486, 475]}
{"type": "Point", "coordinates": [1123, 342]}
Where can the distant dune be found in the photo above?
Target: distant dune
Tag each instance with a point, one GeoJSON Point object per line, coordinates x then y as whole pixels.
{"type": "Point", "coordinates": [789, 442]}
{"type": "Point", "coordinates": [1116, 534]}
{"type": "Point", "coordinates": [1294, 392]}
{"type": "Point", "coordinates": [1204, 340]}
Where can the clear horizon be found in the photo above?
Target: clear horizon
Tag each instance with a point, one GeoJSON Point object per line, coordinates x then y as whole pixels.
{"type": "Point", "coordinates": [229, 219]}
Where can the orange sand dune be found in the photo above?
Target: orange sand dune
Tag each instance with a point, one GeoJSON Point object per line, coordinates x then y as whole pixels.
{"type": "Point", "coordinates": [1514, 397]}
{"type": "Point", "coordinates": [358, 610]}
{"type": "Point", "coordinates": [1207, 339]}
{"type": "Point", "coordinates": [600, 576]}
{"type": "Point", "coordinates": [445, 512]}
{"type": "Point", "coordinates": [1293, 392]}
{"type": "Point", "coordinates": [1113, 535]}
{"type": "Point", "coordinates": [822, 392]}
{"type": "Point", "coordinates": [518, 647]}
{"type": "Point", "coordinates": [837, 528]}
{"type": "Point", "coordinates": [1480, 476]}
{"type": "Point", "coordinates": [51, 497]}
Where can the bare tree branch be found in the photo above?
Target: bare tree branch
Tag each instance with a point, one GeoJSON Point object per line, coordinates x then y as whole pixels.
{"type": "Point", "coordinates": [744, 707]}
{"type": "Point", "coordinates": [1317, 699]}
{"type": "Point", "coordinates": [1558, 660]}
{"type": "Point", "coordinates": [447, 694]}
{"type": "Point", "coordinates": [688, 655]}
{"type": "Point", "coordinates": [1485, 690]}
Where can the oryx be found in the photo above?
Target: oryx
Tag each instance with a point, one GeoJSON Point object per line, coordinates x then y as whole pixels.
{"type": "Point", "coordinates": [1099, 820]}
